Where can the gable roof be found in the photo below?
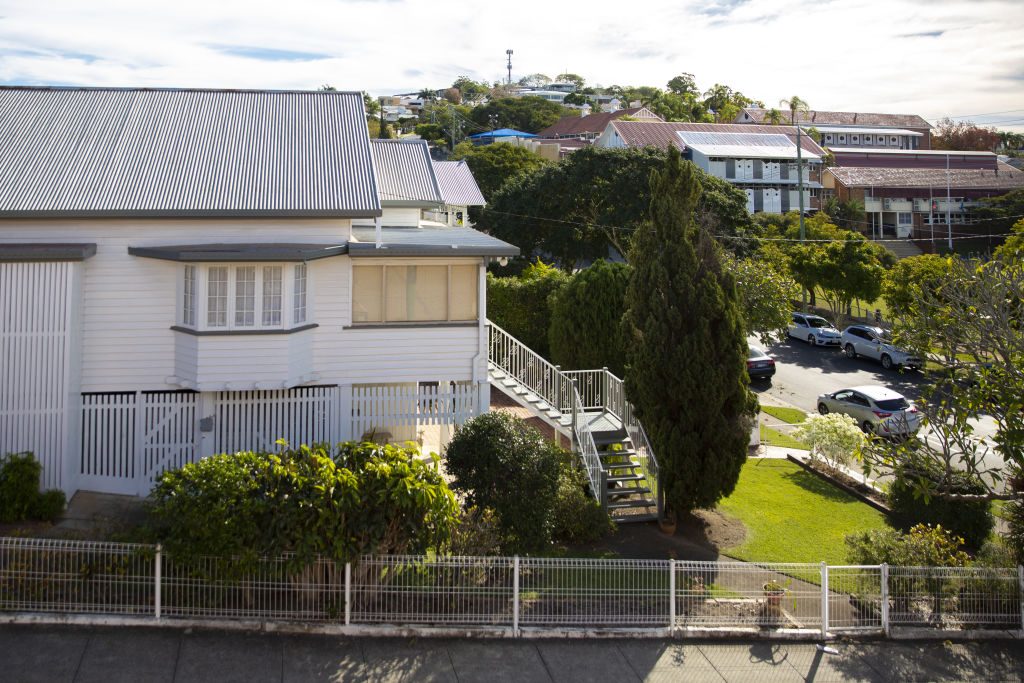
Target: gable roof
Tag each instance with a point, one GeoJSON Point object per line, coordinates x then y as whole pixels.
{"type": "Point", "coordinates": [125, 152]}
{"type": "Point", "coordinates": [593, 124]}
{"type": "Point", "coordinates": [405, 173]}
{"type": "Point", "coordinates": [458, 186]}
{"type": "Point", "coordinates": [664, 133]}
{"type": "Point", "coordinates": [845, 118]}
{"type": "Point", "coordinates": [1004, 177]}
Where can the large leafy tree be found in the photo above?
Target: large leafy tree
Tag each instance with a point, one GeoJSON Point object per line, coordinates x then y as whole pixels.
{"type": "Point", "coordinates": [585, 318]}
{"type": "Point", "coordinates": [849, 269]}
{"type": "Point", "coordinates": [978, 311]}
{"type": "Point", "coordinates": [589, 205]}
{"type": "Point", "coordinates": [685, 346]}
{"type": "Point", "coordinates": [493, 164]}
{"type": "Point", "coordinates": [963, 135]}
{"type": "Point", "coordinates": [765, 296]}
{"type": "Point", "coordinates": [528, 114]}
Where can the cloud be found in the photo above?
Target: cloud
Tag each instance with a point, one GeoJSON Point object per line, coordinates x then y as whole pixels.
{"type": "Point", "coordinates": [268, 54]}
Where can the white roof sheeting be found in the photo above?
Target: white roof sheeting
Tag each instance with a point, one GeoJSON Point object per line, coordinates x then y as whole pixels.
{"type": "Point", "coordinates": [743, 145]}
{"type": "Point", "coordinates": [405, 173]}
{"type": "Point", "coordinates": [458, 186]}
{"type": "Point", "coordinates": [120, 152]}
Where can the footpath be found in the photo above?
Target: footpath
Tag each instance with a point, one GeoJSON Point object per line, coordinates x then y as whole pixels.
{"type": "Point", "coordinates": [56, 653]}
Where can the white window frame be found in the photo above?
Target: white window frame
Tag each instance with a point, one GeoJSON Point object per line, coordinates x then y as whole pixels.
{"type": "Point", "coordinates": [200, 274]}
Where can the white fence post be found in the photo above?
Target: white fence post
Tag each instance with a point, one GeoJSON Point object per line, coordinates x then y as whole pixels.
{"type": "Point", "coordinates": [515, 596]}
{"type": "Point", "coordinates": [824, 600]}
{"type": "Point", "coordinates": [1020, 583]}
{"type": "Point", "coordinates": [157, 582]}
{"type": "Point", "coordinates": [885, 599]}
{"type": "Point", "coordinates": [348, 593]}
{"type": "Point", "coordinates": [672, 595]}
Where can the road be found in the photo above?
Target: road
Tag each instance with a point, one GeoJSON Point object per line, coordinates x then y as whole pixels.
{"type": "Point", "coordinates": [804, 372]}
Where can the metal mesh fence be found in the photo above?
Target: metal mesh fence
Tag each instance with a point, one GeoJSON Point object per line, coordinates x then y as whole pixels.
{"type": "Point", "coordinates": [43, 575]}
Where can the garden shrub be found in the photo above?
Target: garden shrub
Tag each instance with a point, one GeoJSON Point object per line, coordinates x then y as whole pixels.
{"type": "Point", "coordinates": [522, 305]}
{"type": "Point", "coordinates": [923, 546]}
{"type": "Point", "coordinates": [576, 516]}
{"type": "Point", "coordinates": [475, 533]}
{"type": "Point", "coordinates": [20, 497]}
{"type": "Point", "coordinates": [499, 462]}
{"type": "Point", "coordinates": [834, 438]}
{"type": "Point", "coordinates": [314, 502]}
{"type": "Point", "coordinates": [971, 520]}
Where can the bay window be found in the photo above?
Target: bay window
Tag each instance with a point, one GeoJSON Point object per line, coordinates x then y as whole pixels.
{"type": "Point", "coordinates": [243, 296]}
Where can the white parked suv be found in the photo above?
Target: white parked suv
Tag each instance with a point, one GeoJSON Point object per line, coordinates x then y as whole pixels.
{"type": "Point", "coordinates": [873, 342]}
{"type": "Point", "coordinates": [813, 329]}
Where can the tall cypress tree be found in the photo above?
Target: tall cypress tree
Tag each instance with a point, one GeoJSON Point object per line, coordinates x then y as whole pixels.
{"type": "Point", "coordinates": [686, 348]}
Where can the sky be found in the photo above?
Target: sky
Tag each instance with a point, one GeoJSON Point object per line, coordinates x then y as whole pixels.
{"type": "Point", "coordinates": [963, 59]}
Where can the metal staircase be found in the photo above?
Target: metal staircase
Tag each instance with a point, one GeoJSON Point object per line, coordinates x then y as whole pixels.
{"type": "Point", "coordinates": [590, 409]}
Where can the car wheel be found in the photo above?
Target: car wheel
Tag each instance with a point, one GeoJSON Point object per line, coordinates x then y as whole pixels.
{"type": "Point", "coordinates": [823, 409]}
{"type": "Point", "coordinates": [886, 361]}
{"type": "Point", "coordinates": [867, 427]}
{"type": "Point", "coordinates": [810, 339]}
{"type": "Point", "coordinates": [850, 351]}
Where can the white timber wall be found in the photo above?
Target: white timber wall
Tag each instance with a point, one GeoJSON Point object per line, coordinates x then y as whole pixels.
{"type": "Point", "coordinates": [39, 364]}
{"type": "Point", "coordinates": [394, 216]}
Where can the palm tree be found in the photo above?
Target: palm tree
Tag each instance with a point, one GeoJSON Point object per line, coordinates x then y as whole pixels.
{"type": "Point", "coordinates": [774, 116]}
{"type": "Point", "coordinates": [796, 105]}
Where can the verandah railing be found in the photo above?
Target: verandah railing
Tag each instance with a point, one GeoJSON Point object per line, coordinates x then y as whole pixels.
{"type": "Point", "coordinates": [509, 593]}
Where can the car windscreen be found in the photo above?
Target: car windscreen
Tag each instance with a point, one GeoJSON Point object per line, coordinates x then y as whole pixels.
{"type": "Point", "coordinates": [893, 404]}
{"type": "Point", "coordinates": [818, 322]}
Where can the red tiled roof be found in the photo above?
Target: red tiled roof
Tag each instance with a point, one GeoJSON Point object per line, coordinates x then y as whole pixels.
{"type": "Point", "coordinates": [663, 133]}
{"type": "Point", "coordinates": [845, 118]}
{"type": "Point", "coordinates": [592, 123]}
{"type": "Point", "coordinates": [1006, 177]}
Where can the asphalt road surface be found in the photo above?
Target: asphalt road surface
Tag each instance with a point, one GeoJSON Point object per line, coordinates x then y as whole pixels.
{"type": "Point", "coordinates": [803, 372]}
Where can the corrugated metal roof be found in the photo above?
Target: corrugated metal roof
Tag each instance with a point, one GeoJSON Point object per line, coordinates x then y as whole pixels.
{"type": "Point", "coordinates": [743, 145]}
{"type": "Point", "coordinates": [119, 152]}
{"type": "Point", "coordinates": [663, 133]}
{"type": "Point", "coordinates": [843, 118]}
{"type": "Point", "coordinates": [427, 242]}
{"type": "Point", "coordinates": [861, 130]}
{"type": "Point", "coordinates": [458, 186]}
{"type": "Point", "coordinates": [1005, 178]}
{"type": "Point", "coordinates": [593, 123]}
{"type": "Point", "coordinates": [405, 175]}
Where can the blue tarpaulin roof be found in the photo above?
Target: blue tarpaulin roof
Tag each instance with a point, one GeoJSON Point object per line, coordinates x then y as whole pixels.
{"type": "Point", "coordinates": [504, 133]}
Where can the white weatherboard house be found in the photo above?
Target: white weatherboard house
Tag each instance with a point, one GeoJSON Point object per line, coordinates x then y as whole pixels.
{"type": "Point", "coordinates": [188, 272]}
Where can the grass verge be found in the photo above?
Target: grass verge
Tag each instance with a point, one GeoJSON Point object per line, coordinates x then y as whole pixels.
{"type": "Point", "coordinates": [790, 415]}
{"type": "Point", "coordinates": [793, 516]}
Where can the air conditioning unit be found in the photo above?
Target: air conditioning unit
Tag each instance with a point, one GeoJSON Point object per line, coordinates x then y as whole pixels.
{"type": "Point", "coordinates": [921, 205]}
{"type": "Point", "coordinates": [887, 204]}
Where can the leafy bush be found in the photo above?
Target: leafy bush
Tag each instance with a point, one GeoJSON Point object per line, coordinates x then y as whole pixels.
{"type": "Point", "coordinates": [834, 438]}
{"type": "Point", "coordinates": [19, 490]}
{"type": "Point", "coordinates": [923, 546]}
{"type": "Point", "coordinates": [313, 502]}
{"type": "Point", "coordinates": [499, 462]}
{"type": "Point", "coordinates": [575, 516]}
{"type": "Point", "coordinates": [476, 533]}
{"type": "Point", "coordinates": [521, 305]}
{"type": "Point", "coordinates": [971, 520]}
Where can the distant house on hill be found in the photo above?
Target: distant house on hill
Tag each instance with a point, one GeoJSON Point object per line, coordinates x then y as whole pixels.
{"type": "Point", "coordinates": [760, 160]}
{"type": "Point", "coordinates": [854, 129]}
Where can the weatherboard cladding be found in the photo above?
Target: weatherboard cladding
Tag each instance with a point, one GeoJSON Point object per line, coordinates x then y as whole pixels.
{"type": "Point", "coordinates": [457, 184]}
{"type": "Point", "coordinates": [122, 152]}
{"type": "Point", "coordinates": [405, 175]}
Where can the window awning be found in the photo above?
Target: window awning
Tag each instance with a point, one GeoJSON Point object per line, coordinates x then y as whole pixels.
{"type": "Point", "coordinates": [41, 251]}
{"type": "Point", "coordinates": [205, 253]}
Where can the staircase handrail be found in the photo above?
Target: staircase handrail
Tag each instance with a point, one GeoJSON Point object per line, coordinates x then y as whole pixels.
{"type": "Point", "coordinates": [585, 445]}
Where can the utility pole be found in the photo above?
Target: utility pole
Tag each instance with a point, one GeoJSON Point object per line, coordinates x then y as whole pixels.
{"type": "Point", "coordinates": [949, 226]}
{"type": "Point", "coordinates": [493, 118]}
{"type": "Point", "coordinates": [509, 53]}
{"type": "Point", "coordinates": [800, 191]}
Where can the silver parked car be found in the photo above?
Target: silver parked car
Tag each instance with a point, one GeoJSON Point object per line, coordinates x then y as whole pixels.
{"type": "Point", "coordinates": [873, 342]}
{"type": "Point", "coordinates": [877, 410]}
{"type": "Point", "coordinates": [813, 329]}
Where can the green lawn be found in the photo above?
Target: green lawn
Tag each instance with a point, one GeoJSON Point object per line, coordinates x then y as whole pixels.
{"type": "Point", "coordinates": [776, 437]}
{"type": "Point", "coordinates": [793, 516]}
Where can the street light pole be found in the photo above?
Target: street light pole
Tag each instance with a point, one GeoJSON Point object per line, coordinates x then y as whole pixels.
{"type": "Point", "coordinates": [800, 191]}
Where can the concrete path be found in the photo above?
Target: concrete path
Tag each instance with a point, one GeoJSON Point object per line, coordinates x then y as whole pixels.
{"type": "Point", "coordinates": [68, 653]}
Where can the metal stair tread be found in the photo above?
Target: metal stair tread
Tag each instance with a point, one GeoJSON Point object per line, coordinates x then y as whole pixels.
{"type": "Point", "coordinates": [629, 504]}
